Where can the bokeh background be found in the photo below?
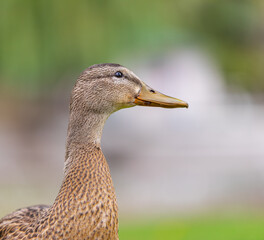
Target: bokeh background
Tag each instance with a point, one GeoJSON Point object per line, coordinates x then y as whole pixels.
{"type": "Point", "coordinates": [179, 174]}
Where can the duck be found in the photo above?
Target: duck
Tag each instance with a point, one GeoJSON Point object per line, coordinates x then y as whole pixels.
{"type": "Point", "coordinates": [86, 205]}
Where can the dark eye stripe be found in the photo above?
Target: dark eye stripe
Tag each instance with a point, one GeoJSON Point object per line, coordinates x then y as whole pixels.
{"type": "Point", "coordinates": [119, 74]}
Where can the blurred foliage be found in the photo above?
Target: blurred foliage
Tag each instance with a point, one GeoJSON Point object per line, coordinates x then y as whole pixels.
{"type": "Point", "coordinates": [202, 228]}
{"type": "Point", "coordinates": [44, 41]}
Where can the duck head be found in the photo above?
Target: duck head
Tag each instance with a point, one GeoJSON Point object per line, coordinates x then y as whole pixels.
{"type": "Point", "coordinates": [106, 88]}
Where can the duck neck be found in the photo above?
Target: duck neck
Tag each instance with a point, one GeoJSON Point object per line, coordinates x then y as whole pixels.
{"type": "Point", "coordinates": [87, 196]}
{"type": "Point", "coordinates": [85, 128]}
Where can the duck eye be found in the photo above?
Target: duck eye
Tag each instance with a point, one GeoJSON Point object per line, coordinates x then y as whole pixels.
{"type": "Point", "coordinates": [119, 74]}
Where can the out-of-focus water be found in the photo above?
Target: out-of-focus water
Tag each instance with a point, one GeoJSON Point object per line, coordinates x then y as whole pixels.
{"type": "Point", "coordinates": [208, 156]}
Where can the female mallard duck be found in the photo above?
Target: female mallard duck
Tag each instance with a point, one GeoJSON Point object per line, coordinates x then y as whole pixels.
{"type": "Point", "coordinates": [86, 207]}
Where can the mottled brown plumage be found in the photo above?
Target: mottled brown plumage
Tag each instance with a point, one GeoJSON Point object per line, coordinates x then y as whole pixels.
{"type": "Point", "coordinates": [86, 206]}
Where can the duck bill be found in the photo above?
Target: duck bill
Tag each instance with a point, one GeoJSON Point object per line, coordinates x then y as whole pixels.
{"type": "Point", "coordinates": [152, 98]}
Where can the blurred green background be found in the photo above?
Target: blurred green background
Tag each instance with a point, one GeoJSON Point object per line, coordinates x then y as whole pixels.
{"type": "Point", "coordinates": [45, 44]}
{"type": "Point", "coordinates": [44, 41]}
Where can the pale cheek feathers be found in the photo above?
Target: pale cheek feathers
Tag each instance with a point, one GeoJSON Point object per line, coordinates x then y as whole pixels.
{"type": "Point", "coordinates": [125, 91]}
{"type": "Point", "coordinates": [127, 95]}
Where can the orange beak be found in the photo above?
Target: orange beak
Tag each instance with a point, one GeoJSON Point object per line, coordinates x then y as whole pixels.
{"type": "Point", "coordinates": [151, 98]}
